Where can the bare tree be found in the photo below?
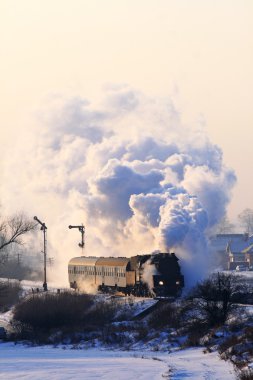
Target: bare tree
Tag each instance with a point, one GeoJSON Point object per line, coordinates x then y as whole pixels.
{"type": "Point", "coordinates": [225, 226]}
{"type": "Point", "coordinates": [246, 220]}
{"type": "Point", "coordinates": [13, 229]}
{"type": "Point", "coordinates": [216, 296]}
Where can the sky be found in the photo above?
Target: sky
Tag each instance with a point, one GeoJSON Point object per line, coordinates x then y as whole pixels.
{"type": "Point", "coordinates": [64, 63]}
{"type": "Point", "coordinates": [199, 52]}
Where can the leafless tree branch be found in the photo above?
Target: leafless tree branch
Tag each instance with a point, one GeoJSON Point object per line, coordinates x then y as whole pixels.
{"type": "Point", "coordinates": [13, 229]}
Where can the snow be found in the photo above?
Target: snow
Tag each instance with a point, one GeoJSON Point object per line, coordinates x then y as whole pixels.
{"type": "Point", "coordinates": [194, 364]}
{"type": "Point", "coordinates": [18, 361]}
{"type": "Point", "coordinates": [5, 319]}
{"type": "Point", "coordinates": [56, 363]}
{"type": "Point", "coordinates": [247, 275]}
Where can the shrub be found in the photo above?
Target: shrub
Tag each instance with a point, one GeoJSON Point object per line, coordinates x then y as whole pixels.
{"type": "Point", "coordinates": [228, 343]}
{"type": "Point", "coordinates": [195, 330]}
{"type": "Point", "coordinates": [249, 332]}
{"type": "Point", "coordinates": [214, 297]}
{"type": "Point", "coordinates": [141, 332]}
{"type": "Point", "coordinates": [168, 315]}
{"type": "Point", "coordinates": [49, 311]}
{"type": "Point", "coordinates": [66, 317]}
{"type": "Point", "coordinates": [9, 294]}
{"type": "Point", "coordinates": [100, 314]}
{"type": "Point", "coordinates": [246, 375]}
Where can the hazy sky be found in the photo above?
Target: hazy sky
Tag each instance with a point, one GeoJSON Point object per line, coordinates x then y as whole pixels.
{"type": "Point", "coordinates": [199, 52]}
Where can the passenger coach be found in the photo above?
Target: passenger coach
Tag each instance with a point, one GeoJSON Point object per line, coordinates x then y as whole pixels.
{"type": "Point", "coordinates": [128, 275]}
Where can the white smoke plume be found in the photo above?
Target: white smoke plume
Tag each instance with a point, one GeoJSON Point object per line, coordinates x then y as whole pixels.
{"type": "Point", "coordinates": [86, 286]}
{"type": "Point", "coordinates": [128, 169]}
{"type": "Point", "coordinates": [149, 270]}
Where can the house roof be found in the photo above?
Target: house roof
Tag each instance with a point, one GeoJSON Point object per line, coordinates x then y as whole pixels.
{"type": "Point", "coordinates": [241, 245]}
{"type": "Point", "coordinates": [232, 243]}
{"type": "Point", "coordinates": [249, 249]}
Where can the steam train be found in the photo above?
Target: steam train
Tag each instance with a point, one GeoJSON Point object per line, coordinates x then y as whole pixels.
{"type": "Point", "coordinates": [156, 274]}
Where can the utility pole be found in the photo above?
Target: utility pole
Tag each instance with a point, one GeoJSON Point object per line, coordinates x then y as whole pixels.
{"type": "Point", "coordinates": [81, 228]}
{"type": "Point", "coordinates": [44, 229]}
{"type": "Point", "coordinates": [19, 255]}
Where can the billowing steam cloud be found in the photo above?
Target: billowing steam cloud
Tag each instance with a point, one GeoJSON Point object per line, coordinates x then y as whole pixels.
{"type": "Point", "coordinates": [129, 170]}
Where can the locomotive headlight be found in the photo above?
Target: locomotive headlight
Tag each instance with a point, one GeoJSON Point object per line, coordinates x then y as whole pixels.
{"type": "Point", "coordinates": [177, 282]}
{"type": "Point", "coordinates": [160, 282]}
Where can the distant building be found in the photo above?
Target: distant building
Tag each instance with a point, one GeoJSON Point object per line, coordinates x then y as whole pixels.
{"type": "Point", "coordinates": [233, 250]}
{"type": "Point", "coordinates": [249, 254]}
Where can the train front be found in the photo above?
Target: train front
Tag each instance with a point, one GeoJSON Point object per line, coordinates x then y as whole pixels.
{"type": "Point", "coordinates": [167, 280]}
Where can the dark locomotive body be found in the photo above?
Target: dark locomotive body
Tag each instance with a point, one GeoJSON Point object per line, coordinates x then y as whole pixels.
{"type": "Point", "coordinates": [156, 274]}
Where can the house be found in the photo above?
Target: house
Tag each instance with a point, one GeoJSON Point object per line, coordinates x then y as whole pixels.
{"type": "Point", "coordinates": [233, 250]}
{"type": "Point", "coordinates": [240, 252]}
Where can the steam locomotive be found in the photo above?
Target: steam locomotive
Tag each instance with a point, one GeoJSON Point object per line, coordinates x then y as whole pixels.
{"type": "Point", "coordinates": [153, 275]}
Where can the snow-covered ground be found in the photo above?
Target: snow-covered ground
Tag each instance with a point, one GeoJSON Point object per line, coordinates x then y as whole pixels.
{"type": "Point", "coordinates": [144, 363]}
{"type": "Point", "coordinates": [193, 364]}
{"type": "Point", "coordinates": [31, 363]}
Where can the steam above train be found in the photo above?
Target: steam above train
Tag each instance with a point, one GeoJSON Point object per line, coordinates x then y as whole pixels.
{"type": "Point", "coordinates": [156, 274]}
